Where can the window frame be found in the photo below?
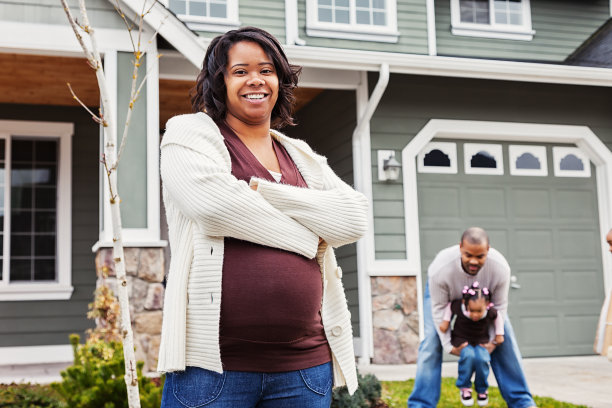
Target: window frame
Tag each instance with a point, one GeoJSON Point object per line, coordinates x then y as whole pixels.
{"type": "Point", "coordinates": [448, 148]}
{"type": "Point", "coordinates": [62, 288]}
{"type": "Point", "coordinates": [515, 151]}
{"type": "Point", "coordinates": [213, 24]}
{"type": "Point", "coordinates": [353, 31]}
{"type": "Point", "coordinates": [471, 149]}
{"type": "Point", "coordinates": [560, 152]}
{"type": "Point", "coordinates": [523, 32]}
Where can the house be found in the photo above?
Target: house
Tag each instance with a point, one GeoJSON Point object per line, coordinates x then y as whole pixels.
{"type": "Point", "coordinates": [488, 106]}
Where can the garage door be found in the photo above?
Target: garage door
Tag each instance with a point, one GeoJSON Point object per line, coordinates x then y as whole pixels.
{"type": "Point", "coordinates": [539, 205]}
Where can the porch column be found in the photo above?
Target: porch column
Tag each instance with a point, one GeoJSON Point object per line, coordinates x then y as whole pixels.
{"type": "Point", "coordinates": [138, 188]}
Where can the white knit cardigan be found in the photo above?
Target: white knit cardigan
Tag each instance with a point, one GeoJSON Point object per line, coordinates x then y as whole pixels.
{"type": "Point", "coordinates": [205, 203]}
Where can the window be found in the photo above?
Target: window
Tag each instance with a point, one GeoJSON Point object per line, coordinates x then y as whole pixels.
{"type": "Point", "coordinates": [368, 20]}
{"type": "Point", "coordinates": [207, 15]}
{"type": "Point", "coordinates": [571, 162]}
{"type": "Point", "coordinates": [505, 19]}
{"type": "Point", "coordinates": [483, 158]}
{"type": "Point", "coordinates": [438, 157]}
{"type": "Point", "coordinates": [527, 160]}
{"type": "Point", "coordinates": [35, 210]}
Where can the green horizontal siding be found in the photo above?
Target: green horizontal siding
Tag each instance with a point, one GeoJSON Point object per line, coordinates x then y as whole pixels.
{"type": "Point", "coordinates": [411, 23]}
{"type": "Point", "coordinates": [266, 14]}
{"type": "Point", "coordinates": [101, 12]}
{"type": "Point", "coordinates": [560, 27]}
{"type": "Point", "coordinates": [399, 118]}
{"type": "Point", "coordinates": [31, 323]}
{"type": "Point", "coordinates": [327, 124]}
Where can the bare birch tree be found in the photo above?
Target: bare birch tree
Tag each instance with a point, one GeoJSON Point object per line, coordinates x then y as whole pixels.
{"type": "Point", "coordinates": [110, 160]}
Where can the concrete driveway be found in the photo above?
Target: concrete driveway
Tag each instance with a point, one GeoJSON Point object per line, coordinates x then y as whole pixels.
{"type": "Point", "coordinates": [585, 380]}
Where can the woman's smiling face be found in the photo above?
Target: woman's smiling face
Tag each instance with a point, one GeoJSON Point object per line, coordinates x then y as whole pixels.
{"type": "Point", "coordinates": [252, 84]}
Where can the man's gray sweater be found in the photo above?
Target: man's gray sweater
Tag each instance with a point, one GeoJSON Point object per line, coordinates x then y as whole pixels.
{"type": "Point", "coordinates": [447, 279]}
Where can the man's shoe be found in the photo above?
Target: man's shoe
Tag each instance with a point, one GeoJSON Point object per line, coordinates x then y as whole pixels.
{"type": "Point", "coordinates": [466, 397]}
{"type": "Point", "coordinates": [483, 399]}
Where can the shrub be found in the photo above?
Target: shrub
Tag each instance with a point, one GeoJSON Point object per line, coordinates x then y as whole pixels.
{"type": "Point", "coordinates": [28, 396]}
{"type": "Point", "coordinates": [367, 394]}
{"type": "Point", "coordinates": [96, 379]}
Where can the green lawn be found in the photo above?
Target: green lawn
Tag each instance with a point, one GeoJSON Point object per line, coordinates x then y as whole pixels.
{"type": "Point", "coordinates": [395, 394]}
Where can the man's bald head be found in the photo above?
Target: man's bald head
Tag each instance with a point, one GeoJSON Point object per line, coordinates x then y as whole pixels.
{"type": "Point", "coordinates": [609, 239]}
{"type": "Point", "coordinates": [476, 236]}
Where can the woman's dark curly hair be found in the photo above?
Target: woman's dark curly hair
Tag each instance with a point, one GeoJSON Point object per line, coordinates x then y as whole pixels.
{"type": "Point", "coordinates": [209, 93]}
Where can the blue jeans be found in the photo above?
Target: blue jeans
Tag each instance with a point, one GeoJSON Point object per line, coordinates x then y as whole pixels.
{"type": "Point", "coordinates": [505, 362]}
{"type": "Point", "coordinates": [473, 359]}
{"type": "Point", "coordinates": [197, 387]}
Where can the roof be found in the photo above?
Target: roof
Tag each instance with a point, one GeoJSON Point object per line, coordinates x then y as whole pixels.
{"type": "Point", "coordinates": [596, 51]}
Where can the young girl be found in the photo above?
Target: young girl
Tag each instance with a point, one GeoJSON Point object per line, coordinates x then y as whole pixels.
{"type": "Point", "coordinates": [474, 317]}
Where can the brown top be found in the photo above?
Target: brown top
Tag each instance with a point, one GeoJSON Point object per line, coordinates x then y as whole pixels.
{"type": "Point", "coordinates": [271, 298]}
{"type": "Point", "coordinates": [466, 329]}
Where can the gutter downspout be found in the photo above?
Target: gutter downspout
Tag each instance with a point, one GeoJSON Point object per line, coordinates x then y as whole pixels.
{"type": "Point", "coordinates": [432, 45]}
{"type": "Point", "coordinates": [379, 89]}
{"type": "Point", "coordinates": [362, 165]}
{"type": "Point", "coordinates": [292, 36]}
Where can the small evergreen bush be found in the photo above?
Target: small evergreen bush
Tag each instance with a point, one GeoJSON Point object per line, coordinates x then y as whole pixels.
{"type": "Point", "coordinates": [96, 379]}
{"type": "Point", "coordinates": [367, 395]}
{"type": "Point", "coordinates": [28, 396]}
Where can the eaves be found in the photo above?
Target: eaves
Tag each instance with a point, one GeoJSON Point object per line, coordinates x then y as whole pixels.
{"type": "Point", "coordinates": [193, 47]}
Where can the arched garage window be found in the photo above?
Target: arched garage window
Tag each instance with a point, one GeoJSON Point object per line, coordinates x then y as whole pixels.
{"type": "Point", "coordinates": [526, 160]}
{"type": "Point", "coordinates": [571, 162]}
{"type": "Point", "coordinates": [438, 157]}
{"type": "Point", "coordinates": [483, 158]}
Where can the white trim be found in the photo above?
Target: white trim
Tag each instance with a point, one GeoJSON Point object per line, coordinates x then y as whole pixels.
{"type": "Point", "coordinates": [539, 152]}
{"type": "Point", "coordinates": [36, 355]}
{"type": "Point", "coordinates": [62, 288]}
{"type": "Point", "coordinates": [365, 247]}
{"type": "Point", "coordinates": [449, 66]}
{"type": "Point", "coordinates": [449, 149]}
{"type": "Point", "coordinates": [130, 244]}
{"type": "Point", "coordinates": [213, 24]}
{"type": "Point", "coordinates": [329, 78]}
{"type": "Point", "coordinates": [582, 136]}
{"type": "Point", "coordinates": [57, 40]}
{"type": "Point", "coordinates": [152, 232]}
{"type": "Point", "coordinates": [292, 22]}
{"type": "Point", "coordinates": [561, 152]}
{"type": "Point", "coordinates": [432, 45]}
{"type": "Point", "coordinates": [174, 65]}
{"type": "Point", "coordinates": [353, 31]}
{"type": "Point", "coordinates": [523, 32]}
{"type": "Point", "coordinates": [499, 34]}
{"type": "Point", "coordinates": [153, 178]}
{"type": "Point", "coordinates": [495, 150]}
{"type": "Point", "coordinates": [188, 43]}
{"type": "Point", "coordinates": [194, 47]}
{"type": "Point", "coordinates": [354, 34]}
{"type": "Point", "coordinates": [362, 165]}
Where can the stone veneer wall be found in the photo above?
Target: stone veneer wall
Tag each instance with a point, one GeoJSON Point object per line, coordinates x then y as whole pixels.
{"type": "Point", "coordinates": [145, 273]}
{"type": "Point", "coordinates": [395, 318]}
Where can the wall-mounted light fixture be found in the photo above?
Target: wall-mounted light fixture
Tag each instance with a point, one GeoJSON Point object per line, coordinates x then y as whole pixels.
{"type": "Point", "coordinates": [388, 166]}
